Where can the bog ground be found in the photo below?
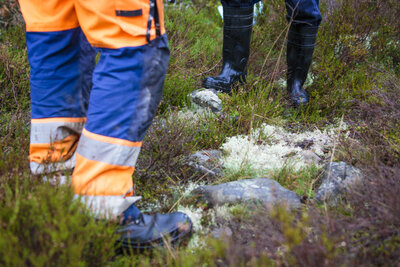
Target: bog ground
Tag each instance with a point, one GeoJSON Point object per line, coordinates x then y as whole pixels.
{"type": "Point", "coordinates": [354, 85]}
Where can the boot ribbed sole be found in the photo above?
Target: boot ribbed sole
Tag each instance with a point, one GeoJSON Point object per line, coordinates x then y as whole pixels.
{"type": "Point", "coordinates": [220, 88]}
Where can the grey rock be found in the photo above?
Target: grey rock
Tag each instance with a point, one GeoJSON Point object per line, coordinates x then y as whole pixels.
{"type": "Point", "coordinates": [206, 161]}
{"type": "Point", "coordinates": [310, 157]}
{"type": "Point", "coordinates": [221, 232]}
{"type": "Point", "coordinates": [338, 178]}
{"type": "Point", "coordinates": [207, 99]}
{"type": "Point", "coordinates": [262, 190]}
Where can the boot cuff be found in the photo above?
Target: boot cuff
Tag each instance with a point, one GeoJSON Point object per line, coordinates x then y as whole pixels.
{"type": "Point", "coordinates": [236, 18]}
{"type": "Point", "coordinates": [302, 35]}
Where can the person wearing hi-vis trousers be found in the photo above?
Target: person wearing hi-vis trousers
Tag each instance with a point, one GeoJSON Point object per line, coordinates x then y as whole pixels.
{"type": "Point", "coordinates": [304, 17]}
{"type": "Point", "coordinates": [93, 117]}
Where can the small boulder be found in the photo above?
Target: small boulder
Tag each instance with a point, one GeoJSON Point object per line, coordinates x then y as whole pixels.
{"type": "Point", "coordinates": [207, 99]}
{"type": "Point", "coordinates": [206, 161]}
{"type": "Point", "coordinates": [310, 157]}
{"type": "Point", "coordinates": [260, 190]}
{"type": "Point", "coordinates": [338, 178]}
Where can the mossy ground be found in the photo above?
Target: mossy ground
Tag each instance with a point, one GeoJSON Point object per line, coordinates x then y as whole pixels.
{"type": "Point", "coordinates": [355, 75]}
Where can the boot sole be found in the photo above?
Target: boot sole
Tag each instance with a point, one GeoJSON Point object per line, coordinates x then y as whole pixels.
{"type": "Point", "coordinates": [218, 88]}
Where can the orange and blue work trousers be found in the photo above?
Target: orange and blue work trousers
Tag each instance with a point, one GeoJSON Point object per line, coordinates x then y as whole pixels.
{"type": "Point", "coordinates": [87, 116]}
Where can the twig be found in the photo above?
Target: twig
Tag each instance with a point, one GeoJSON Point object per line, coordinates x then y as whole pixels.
{"type": "Point", "coordinates": [12, 82]}
{"type": "Point", "coordinates": [269, 52]}
{"type": "Point", "coordinates": [169, 177]}
{"type": "Point", "coordinates": [330, 162]}
{"type": "Point", "coordinates": [209, 69]}
{"type": "Point", "coordinates": [179, 200]}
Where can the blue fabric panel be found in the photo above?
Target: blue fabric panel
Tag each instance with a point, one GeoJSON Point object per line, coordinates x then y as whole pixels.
{"type": "Point", "coordinates": [127, 88]}
{"type": "Point", "coordinates": [156, 58]}
{"type": "Point", "coordinates": [239, 3]}
{"type": "Point", "coordinates": [55, 73]}
{"type": "Point", "coordinates": [87, 62]}
{"type": "Point", "coordinates": [304, 12]}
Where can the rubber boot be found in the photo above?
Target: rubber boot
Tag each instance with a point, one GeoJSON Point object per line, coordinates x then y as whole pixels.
{"type": "Point", "coordinates": [300, 48]}
{"type": "Point", "coordinates": [238, 24]}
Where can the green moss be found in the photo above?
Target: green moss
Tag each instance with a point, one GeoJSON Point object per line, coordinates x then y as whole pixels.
{"type": "Point", "coordinates": [356, 67]}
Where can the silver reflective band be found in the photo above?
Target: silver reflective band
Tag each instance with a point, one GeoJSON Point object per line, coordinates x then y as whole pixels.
{"type": "Point", "coordinates": [40, 168]}
{"type": "Point", "coordinates": [107, 207]}
{"type": "Point", "coordinates": [46, 133]}
{"type": "Point", "coordinates": [108, 153]}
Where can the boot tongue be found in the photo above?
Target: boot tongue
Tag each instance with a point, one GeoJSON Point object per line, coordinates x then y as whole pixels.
{"type": "Point", "coordinates": [130, 214]}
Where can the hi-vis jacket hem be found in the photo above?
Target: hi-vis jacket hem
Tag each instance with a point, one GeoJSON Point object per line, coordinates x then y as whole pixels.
{"type": "Point", "coordinates": [106, 23]}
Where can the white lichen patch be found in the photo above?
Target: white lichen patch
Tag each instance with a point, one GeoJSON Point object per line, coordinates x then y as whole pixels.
{"type": "Point", "coordinates": [189, 187]}
{"type": "Point", "coordinates": [195, 214]}
{"type": "Point", "coordinates": [222, 212]}
{"type": "Point", "coordinates": [202, 226]}
{"type": "Point", "coordinates": [195, 114]}
{"type": "Point", "coordinates": [188, 115]}
{"type": "Point", "coordinates": [245, 152]}
{"type": "Point", "coordinates": [199, 231]}
{"type": "Point", "coordinates": [272, 147]}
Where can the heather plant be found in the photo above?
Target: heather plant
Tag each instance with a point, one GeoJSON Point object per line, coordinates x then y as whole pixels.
{"type": "Point", "coordinates": [14, 74]}
{"type": "Point", "coordinates": [354, 76]}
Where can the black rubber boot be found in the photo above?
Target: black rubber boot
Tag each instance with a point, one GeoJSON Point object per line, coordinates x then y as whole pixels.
{"type": "Point", "coordinates": [300, 48]}
{"type": "Point", "coordinates": [238, 24]}
{"type": "Point", "coordinates": [141, 231]}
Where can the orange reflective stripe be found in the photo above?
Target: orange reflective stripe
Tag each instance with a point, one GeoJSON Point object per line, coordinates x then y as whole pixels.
{"type": "Point", "coordinates": [97, 178]}
{"type": "Point", "coordinates": [110, 140]}
{"type": "Point", "coordinates": [82, 119]}
{"type": "Point", "coordinates": [49, 15]}
{"type": "Point", "coordinates": [54, 152]}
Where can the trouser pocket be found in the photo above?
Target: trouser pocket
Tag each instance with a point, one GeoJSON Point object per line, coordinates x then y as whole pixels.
{"type": "Point", "coordinates": [133, 15]}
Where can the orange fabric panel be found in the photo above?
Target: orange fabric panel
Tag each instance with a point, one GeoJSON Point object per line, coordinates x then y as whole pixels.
{"type": "Point", "coordinates": [111, 140]}
{"type": "Point", "coordinates": [54, 152]}
{"type": "Point", "coordinates": [97, 18]}
{"type": "Point", "coordinates": [97, 178]}
{"type": "Point", "coordinates": [160, 6]}
{"type": "Point", "coordinates": [49, 15]}
{"type": "Point", "coordinates": [82, 119]}
{"type": "Point", "coordinates": [103, 28]}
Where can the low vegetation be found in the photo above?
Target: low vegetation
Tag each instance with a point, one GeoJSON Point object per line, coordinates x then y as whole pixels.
{"type": "Point", "coordinates": [355, 77]}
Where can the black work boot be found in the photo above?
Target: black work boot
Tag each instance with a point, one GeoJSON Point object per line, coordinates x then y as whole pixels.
{"type": "Point", "coordinates": [300, 48]}
{"type": "Point", "coordinates": [238, 24]}
{"type": "Point", "coordinates": [141, 231]}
